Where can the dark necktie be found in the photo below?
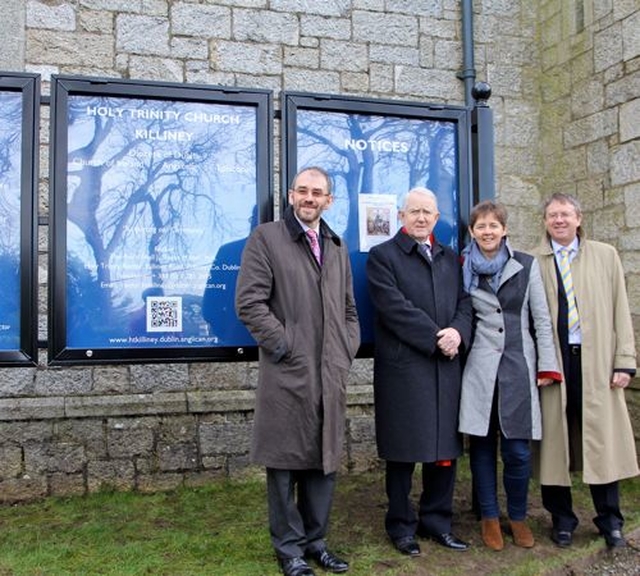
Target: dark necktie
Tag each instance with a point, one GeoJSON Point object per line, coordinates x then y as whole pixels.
{"type": "Point", "coordinates": [426, 250]}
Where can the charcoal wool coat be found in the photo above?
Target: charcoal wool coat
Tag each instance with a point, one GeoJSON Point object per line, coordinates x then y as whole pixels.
{"type": "Point", "coordinates": [304, 319]}
{"type": "Point", "coordinates": [416, 387]}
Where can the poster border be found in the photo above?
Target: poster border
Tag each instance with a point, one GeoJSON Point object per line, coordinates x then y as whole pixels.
{"type": "Point", "coordinates": [460, 115]}
{"type": "Point", "coordinates": [61, 88]}
{"type": "Point", "coordinates": [28, 84]}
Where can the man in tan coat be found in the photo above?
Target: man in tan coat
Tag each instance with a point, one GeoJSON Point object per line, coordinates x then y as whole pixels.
{"type": "Point", "coordinates": [586, 424]}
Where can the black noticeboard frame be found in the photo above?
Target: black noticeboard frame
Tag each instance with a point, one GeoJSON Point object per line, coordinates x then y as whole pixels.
{"type": "Point", "coordinates": [378, 149]}
{"type": "Point", "coordinates": [18, 192]}
{"type": "Point", "coordinates": [150, 183]}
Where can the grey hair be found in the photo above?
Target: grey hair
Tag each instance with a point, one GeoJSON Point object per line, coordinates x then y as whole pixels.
{"type": "Point", "coordinates": [420, 190]}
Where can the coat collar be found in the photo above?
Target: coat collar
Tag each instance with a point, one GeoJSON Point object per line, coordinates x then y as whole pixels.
{"type": "Point", "coordinates": [408, 244]}
{"type": "Point", "coordinates": [511, 268]}
{"type": "Point", "coordinates": [296, 231]}
{"type": "Point", "coordinates": [545, 248]}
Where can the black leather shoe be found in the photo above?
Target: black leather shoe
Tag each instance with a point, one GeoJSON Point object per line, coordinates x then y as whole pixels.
{"type": "Point", "coordinates": [562, 538]}
{"type": "Point", "coordinates": [329, 561]}
{"type": "Point", "coordinates": [295, 567]}
{"type": "Point", "coordinates": [614, 539]}
{"type": "Point", "coordinates": [407, 546]}
{"type": "Point", "coordinates": [448, 540]}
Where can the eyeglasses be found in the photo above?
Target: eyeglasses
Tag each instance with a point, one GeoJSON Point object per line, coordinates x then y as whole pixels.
{"type": "Point", "coordinates": [315, 193]}
{"type": "Point", "coordinates": [560, 215]}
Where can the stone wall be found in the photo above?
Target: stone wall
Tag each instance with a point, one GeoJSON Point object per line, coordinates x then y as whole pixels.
{"type": "Point", "coordinates": [565, 78]}
{"type": "Point", "coordinates": [156, 438]}
{"type": "Point", "coordinates": [589, 86]}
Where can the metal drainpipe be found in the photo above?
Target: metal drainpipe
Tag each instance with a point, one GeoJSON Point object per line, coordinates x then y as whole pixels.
{"type": "Point", "coordinates": [468, 72]}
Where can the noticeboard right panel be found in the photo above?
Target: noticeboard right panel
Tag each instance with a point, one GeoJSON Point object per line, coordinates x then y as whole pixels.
{"type": "Point", "coordinates": [375, 153]}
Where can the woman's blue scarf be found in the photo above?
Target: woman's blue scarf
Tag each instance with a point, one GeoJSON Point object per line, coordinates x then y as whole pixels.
{"type": "Point", "coordinates": [476, 265]}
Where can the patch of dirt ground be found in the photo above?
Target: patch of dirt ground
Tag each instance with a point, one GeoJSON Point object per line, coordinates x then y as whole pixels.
{"type": "Point", "coordinates": [358, 517]}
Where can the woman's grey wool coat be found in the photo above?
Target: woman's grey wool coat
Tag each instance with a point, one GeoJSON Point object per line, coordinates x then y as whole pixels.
{"type": "Point", "coordinates": [505, 353]}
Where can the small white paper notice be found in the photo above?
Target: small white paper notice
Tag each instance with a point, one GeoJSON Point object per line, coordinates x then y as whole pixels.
{"type": "Point", "coordinates": [377, 219]}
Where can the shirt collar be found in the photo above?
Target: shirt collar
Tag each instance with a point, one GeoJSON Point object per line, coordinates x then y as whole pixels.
{"type": "Point", "coordinates": [305, 227]}
{"type": "Point", "coordinates": [573, 247]}
{"type": "Point", "coordinates": [428, 242]}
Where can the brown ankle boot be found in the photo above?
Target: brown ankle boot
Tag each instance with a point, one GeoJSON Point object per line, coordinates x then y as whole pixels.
{"type": "Point", "coordinates": [491, 534]}
{"type": "Point", "coordinates": [522, 535]}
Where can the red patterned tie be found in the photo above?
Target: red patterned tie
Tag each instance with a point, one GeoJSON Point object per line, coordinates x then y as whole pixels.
{"type": "Point", "coordinates": [315, 246]}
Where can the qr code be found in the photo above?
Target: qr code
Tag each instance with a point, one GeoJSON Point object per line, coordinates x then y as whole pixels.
{"type": "Point", "coordinates": [164, 314]}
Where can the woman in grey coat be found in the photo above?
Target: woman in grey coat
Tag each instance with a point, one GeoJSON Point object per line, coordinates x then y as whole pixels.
{"type": "Point", "coordinates": [512, 353]}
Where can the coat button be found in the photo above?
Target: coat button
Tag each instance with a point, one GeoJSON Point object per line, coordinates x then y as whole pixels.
{"type": "Point", "coordinates": [501, 330]}
{"type": "Point", "coordinates": [498, 310]}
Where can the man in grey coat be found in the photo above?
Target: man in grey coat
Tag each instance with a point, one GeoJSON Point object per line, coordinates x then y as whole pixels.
{"type": "Point", "coordinates": [295, 295]}
{"type": "Point", "coordinates": [423, 324]}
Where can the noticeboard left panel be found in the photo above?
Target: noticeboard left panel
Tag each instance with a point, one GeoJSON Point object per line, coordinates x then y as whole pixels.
{"type": "Point", "coordinates": [19, 128]}
{"type": "Point", "coordinates": [154, 189]}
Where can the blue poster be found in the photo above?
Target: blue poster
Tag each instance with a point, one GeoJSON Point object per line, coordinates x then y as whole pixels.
{"type": "Point", "coordinates": [11, 126]}
{"type": "Point", "coordinates": [385, 156]}
{"type": "Point", "coordinates": [161, 196]}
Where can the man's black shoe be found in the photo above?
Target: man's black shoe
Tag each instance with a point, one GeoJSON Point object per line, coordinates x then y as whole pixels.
{"type": "Point", "coordinates": [614, 539]}
{"type": "Point", "coordinates": [295, 567]}
{"type": "Point", "coordinates": [449, 540]}
{"type": "Point", "coordinates": [329, 561]}
{"type": "Point", "coordinates": [407, 546]}
{"type": "Point", "coordinates": [562, 538]}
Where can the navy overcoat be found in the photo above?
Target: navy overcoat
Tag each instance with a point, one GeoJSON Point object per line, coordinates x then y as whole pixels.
{"type": "Point", "coordinates": [416, 387]}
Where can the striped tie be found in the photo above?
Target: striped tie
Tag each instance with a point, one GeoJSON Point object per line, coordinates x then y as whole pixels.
{"type": "Point", "coordinates": [425, 248]}
{"type": "Point", "coordinates": [567, 281]}
{"type": "Point", "coordinates": [315, 245]}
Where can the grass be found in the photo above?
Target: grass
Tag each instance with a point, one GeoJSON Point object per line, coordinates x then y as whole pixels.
{"type": "Point", "coordinates": [221, 529]}
{"type": "Point", "coordinates": [218, 529]}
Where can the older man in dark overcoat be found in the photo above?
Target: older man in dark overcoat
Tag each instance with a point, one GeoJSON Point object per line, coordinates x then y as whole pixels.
{"type": "Point", "coordinates": [423, 324]}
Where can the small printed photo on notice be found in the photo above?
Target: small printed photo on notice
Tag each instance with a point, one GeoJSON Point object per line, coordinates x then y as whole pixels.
{"type": "Point", "coordinates": [378, 219]}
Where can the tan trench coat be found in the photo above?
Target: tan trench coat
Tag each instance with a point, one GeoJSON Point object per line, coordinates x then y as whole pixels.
{"type": "Point", "coordinates": [608, 446]}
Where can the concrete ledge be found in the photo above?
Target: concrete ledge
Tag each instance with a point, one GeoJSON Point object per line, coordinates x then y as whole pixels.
{"type": "Point", "coordinates": [360, 394]}
{"type": "Point", "coordinates": [125, 405]}
{"type": "Point", "coordinates": [41, 408]}
{"type": "Point", "coordinates": [220, 401]}
{"type": "Point", "coordinates": [110, 405]}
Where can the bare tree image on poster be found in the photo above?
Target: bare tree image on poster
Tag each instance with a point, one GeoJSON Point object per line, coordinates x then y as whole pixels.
{"type": "Point", "coordinates": [385, 155]}
{"type": "Point", "coordinates": [368, 154]}
{"type": "Point", "coordinates": [154, 189]}
{"type": "Point", "coordinates": [10, 193]}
